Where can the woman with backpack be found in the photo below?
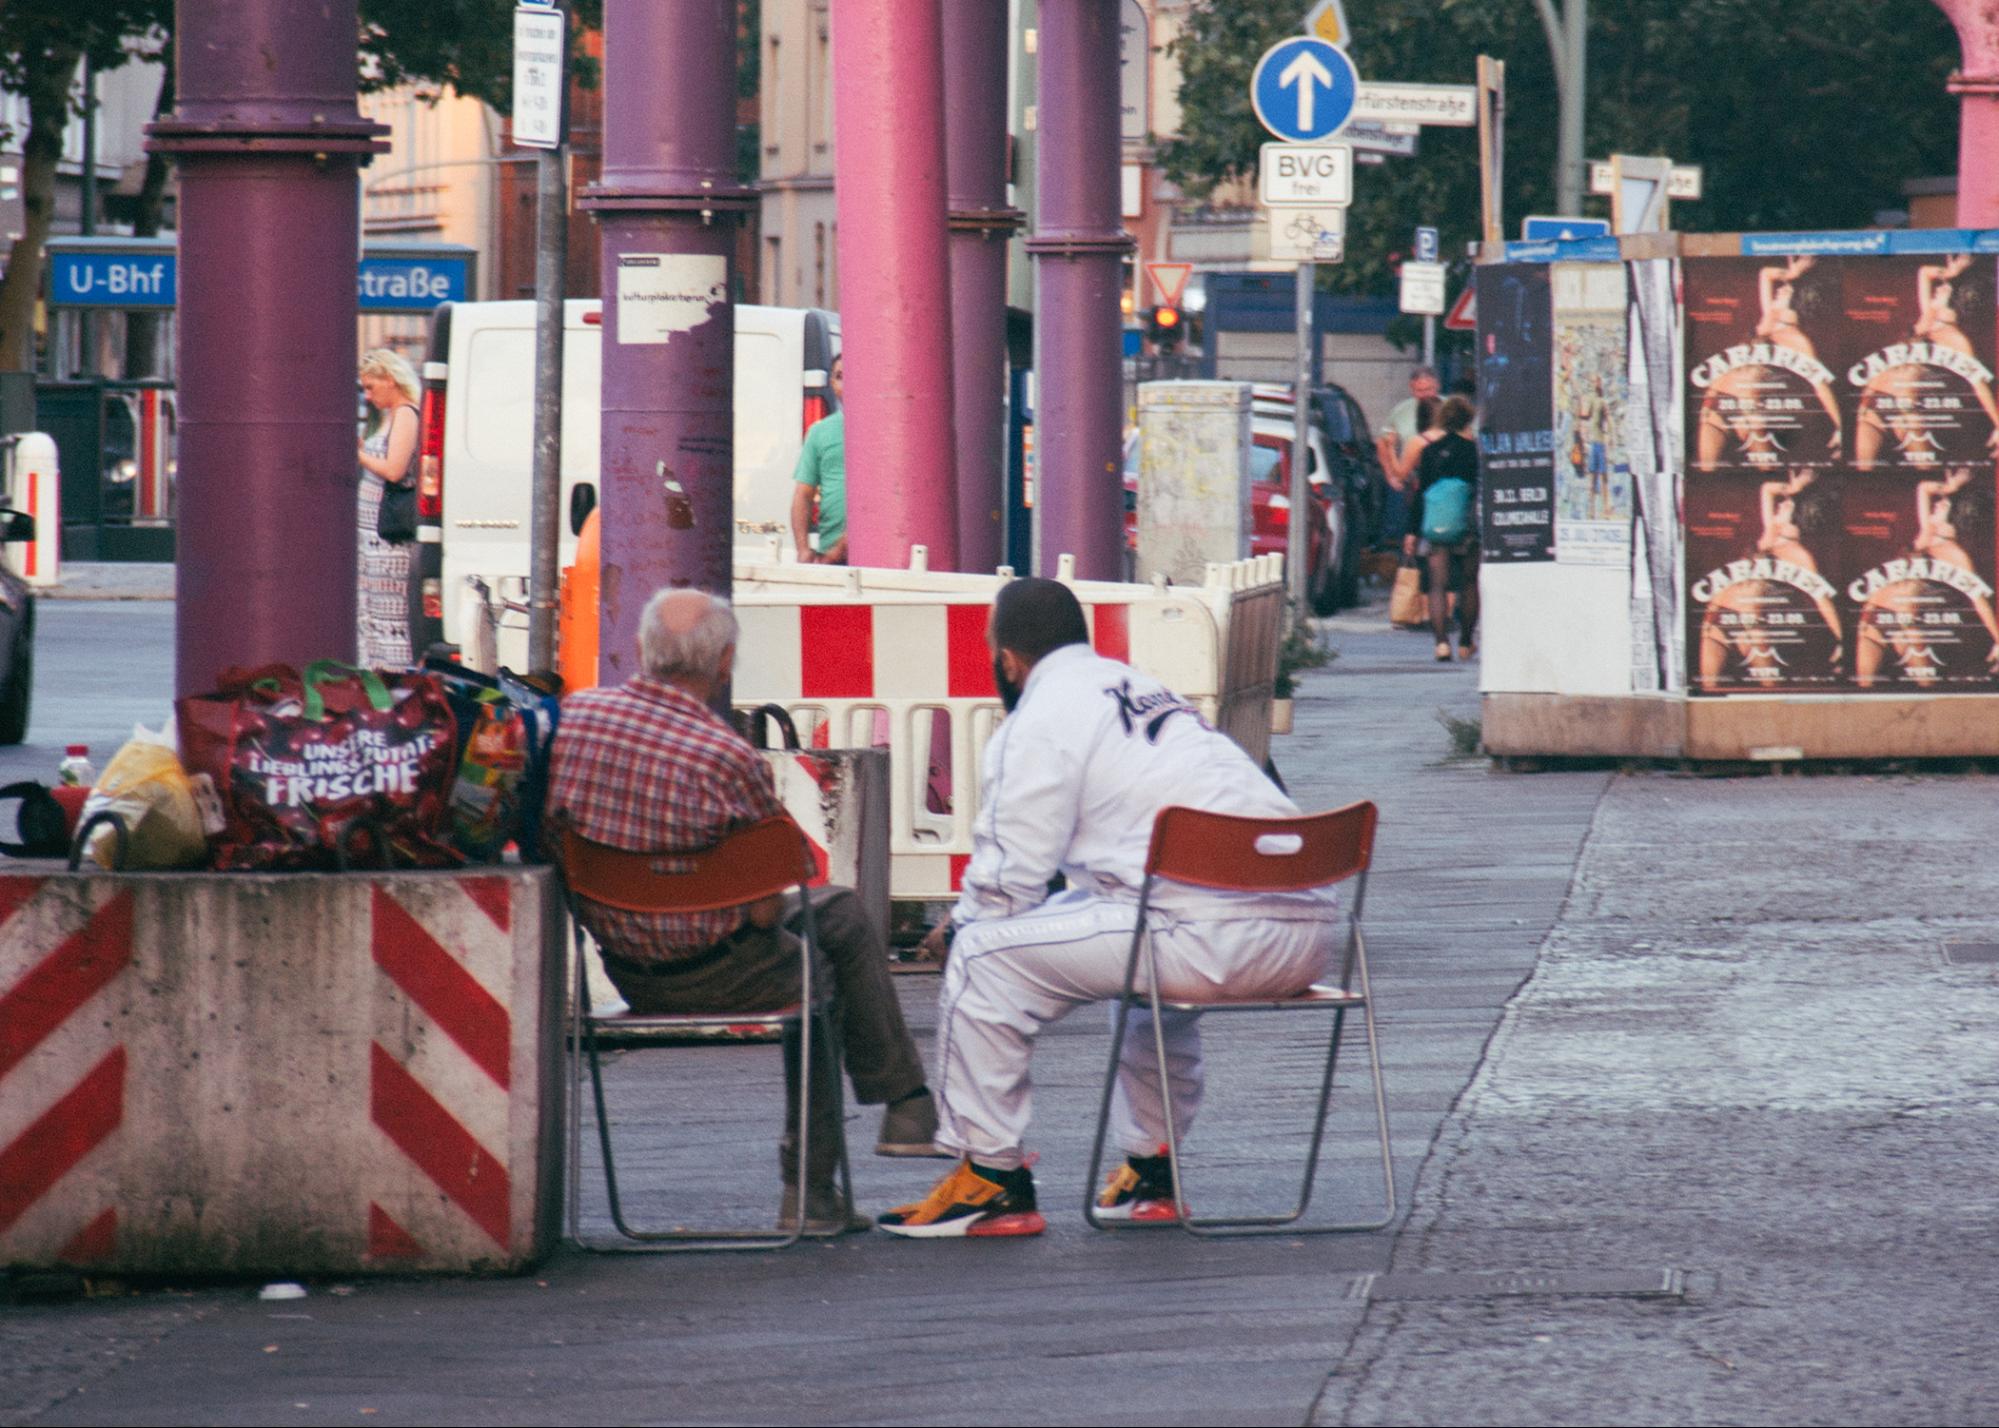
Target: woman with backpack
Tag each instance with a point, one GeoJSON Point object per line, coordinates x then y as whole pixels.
{"type": "Point", "coordinates": [1443, 527]}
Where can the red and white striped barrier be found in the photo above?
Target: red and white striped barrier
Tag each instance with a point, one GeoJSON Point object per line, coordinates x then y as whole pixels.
{"type": "Point", "coordinates": [899, 658]}
{"type": "Point", "coordinates": [287, 1074]}
{"type": "Point", "coordinates": [34, 485]}
{"type": "Point", "coordinates": [152, 495]}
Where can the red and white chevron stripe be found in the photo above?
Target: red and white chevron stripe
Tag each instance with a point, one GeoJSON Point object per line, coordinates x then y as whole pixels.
{"type": "Point", "coordinates": [64, 947]}
{"type": "Point", "coordinates": [441, 1067]}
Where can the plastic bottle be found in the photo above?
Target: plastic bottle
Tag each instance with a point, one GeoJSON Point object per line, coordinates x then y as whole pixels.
{"type": "Point", "coordinates": [75, 769]}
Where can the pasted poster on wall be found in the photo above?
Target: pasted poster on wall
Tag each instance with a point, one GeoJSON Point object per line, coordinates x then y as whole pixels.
{"type": "Point", "coordinates": [1919, 574]}
{"type": "Point", "coordinates": [1761, 336]}
{"type": "Point", "coordinates": [1516, 412]}
{"type": "Point", "coordinates": [1592, 474]}
{"type": "Point", "coordinates": [1917, 373]}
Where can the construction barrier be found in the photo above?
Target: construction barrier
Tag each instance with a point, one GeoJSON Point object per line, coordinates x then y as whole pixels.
{"type": "Point", "coordinates": [34, 485]}
{"type": "Point", "coordinates": [864, 657]}
{"type": "Point", "coordinates": [375, 1089]}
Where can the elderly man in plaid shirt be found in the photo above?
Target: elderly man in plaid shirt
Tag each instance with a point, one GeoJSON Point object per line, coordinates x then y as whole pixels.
{"type": "Point", "coordinates": [649, 766]}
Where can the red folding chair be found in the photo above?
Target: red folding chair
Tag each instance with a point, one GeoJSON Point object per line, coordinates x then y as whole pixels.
{"type": "Point", "coordinates": [1231, 854]}
{"type": "Point", "coordinates": [763, 859]}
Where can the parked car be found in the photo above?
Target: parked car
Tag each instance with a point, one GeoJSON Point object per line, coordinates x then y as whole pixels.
{"type": "Point", "coordinates": [17, 634]}
{"type": "Point", "coordinates": [1331, 540]}
{"type": "Point", "coordinates": [476, 445]}
{"type": "Point", "coordinates": [1349, 446]}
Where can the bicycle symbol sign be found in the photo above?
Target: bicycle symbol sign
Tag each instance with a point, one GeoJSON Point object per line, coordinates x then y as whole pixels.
{"type": "Point", "coordinates": [1308, 235]}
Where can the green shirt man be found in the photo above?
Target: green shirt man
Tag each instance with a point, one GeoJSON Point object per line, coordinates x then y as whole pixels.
{"type": "Point", "coordinates": [822, 469]}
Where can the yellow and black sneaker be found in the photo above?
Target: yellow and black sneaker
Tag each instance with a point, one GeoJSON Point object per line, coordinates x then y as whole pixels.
{"type": "Point", "coordinates": [1140, 1191]}
{"type": "Point", "coordinates": [972, 1201]}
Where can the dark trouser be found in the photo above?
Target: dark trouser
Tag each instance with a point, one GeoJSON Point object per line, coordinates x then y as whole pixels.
{"type": "Point", "coordinates": [760, 973]}
{"type": "Point", "coordinates": [1454, 571]}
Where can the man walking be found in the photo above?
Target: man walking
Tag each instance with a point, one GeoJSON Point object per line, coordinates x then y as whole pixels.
{"type": "Point", "coordinates": [822, 472]}
{"type": "Point", "coordinates": [1089, 753]}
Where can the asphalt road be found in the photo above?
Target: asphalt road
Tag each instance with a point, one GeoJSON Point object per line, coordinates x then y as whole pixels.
{"type": "Point", "coordinates": [101, 666]}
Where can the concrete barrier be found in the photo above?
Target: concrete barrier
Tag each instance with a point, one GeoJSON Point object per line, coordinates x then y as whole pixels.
{"type": "Point", "coordinates": [279, 1074]}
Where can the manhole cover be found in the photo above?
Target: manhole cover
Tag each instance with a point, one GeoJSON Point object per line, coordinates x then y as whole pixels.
{"type": "Point", "coordinates": [1972, 954]}
{"type": "Point", "coordinates": [1570, 1284]}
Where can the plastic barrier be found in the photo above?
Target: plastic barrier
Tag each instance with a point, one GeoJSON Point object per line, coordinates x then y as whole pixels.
{"type": "Point", "coordinates": [898, 657]}
{"type": "Point", "coordinates": [34, 485]}
{"type": "Point", "coordinates": [185, 1090]}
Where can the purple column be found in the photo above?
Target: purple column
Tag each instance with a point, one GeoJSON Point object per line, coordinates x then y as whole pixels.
{"type": "Point", "coordinates": [1078, 248]}
{"type": "Point", "coordinates": [1977, 85]}
{"type": "Point", "coordinates": [981, 222]}
{"type": "Point", "coordinates": [667, 210]}
{"type": "Point", "coordinates": [895, 284]}
{"type": "Point", "coordinates": [267, 138]}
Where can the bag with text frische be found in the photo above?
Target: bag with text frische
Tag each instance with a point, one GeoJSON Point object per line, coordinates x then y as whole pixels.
{"type": "Point", "coordinates": [339, 767]}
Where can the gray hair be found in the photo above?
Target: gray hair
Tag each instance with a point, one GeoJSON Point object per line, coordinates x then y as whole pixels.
{"type": "Point", "coordinates": [668, 653]}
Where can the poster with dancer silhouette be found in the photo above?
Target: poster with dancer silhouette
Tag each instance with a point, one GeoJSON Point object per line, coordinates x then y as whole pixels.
{"type": "Point", "coordinates": [1516, 436]}
{"type": "Point", "coordinates": [1763, 613]}
{"type": "Point", "coordinates": [1919, 566]}
{"type": "Point", "coordinates": [1917, 372]}
{"type": "Point", "coordinates": [1592, 474]}
{"type": "Point", "coordinates": [1762, 337]}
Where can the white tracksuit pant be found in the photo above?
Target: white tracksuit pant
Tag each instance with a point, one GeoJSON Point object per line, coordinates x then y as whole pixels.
{"type": "Point", "coordinates": [1009, 977]}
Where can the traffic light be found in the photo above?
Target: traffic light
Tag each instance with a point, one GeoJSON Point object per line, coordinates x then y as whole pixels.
{"type": "Point", "coordinates": [1165, 326]}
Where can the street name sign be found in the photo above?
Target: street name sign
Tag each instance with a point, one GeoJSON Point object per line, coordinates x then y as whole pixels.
{"type": "Point", "coordinates": [1368, 137]}
{"type": "Point", "coordinates": [1303, 90]}
{"type": "Point", "coordinates": [95, 278]}
{"type": "Point", "coordinates": [1308, 235]}
{"type": "Point", "coordinates": [1683, 183]}
{"type": "Point", "coordinates": [1451, 106]}
{"type": "Point", "coordinates": [1423, 288]}
{"type": "Point", "coordinates": [541, 49]}
{"type": "Point", "coordinates": [1539, 228]}
{"type": "Point", "coordinates": [1305, 175]}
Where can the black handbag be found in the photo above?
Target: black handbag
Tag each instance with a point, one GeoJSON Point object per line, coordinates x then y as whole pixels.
{"type": "Point", "coordinates": [395, 518]}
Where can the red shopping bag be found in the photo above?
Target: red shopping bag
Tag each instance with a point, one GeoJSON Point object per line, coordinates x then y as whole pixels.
{"type": "Point", "coordinates": [343, 764]}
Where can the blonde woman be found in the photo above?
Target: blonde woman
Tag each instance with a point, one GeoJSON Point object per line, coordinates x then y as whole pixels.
{"type": "Point", "coordinates": [388, 454]}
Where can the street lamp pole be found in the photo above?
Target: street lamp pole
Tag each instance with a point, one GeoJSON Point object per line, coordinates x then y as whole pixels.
{"type": "Point", "coordinates": [1568, 50]}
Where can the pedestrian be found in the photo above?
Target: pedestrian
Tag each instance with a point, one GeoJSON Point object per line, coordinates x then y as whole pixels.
{"type": "Point", "coordinates": [1089, 753]}
{"type": "Point", "coordinates": [1443, 526]}
{"type": "Point", "coordinates": [822, 472]}
{"type": "Point", "coordinates": [387, 455]}
{"type": "Point", "coordinates": [649, 766]}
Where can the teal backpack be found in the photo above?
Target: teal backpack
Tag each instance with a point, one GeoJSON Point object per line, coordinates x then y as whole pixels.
{"type": "Point", "coordinates": [1447, 511]}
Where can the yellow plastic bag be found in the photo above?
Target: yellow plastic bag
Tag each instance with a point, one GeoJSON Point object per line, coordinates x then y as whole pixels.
{"type": "Point", "coordinates": [145, 785]}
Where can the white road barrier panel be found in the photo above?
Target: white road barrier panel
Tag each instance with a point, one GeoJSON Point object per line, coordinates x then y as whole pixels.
{"type": "Point", "coordinates": [34, 485]}
{"type": "Point", "coordinates": [280, 1075]}
{"type": "Point", "coordinates": [864, 657]}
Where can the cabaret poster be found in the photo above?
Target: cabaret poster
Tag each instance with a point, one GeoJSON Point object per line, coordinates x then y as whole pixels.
{"type": "Point", "coordinates": [1592, 474]}
{"type": "Point", "coordinates": [1763, 613]}
{"type": "Point", "coordinates": [1916, 375]}
{"type": "Point", "coordinates": [1762, 337]}
{"type": "Point", "coordinates": [1917, 584]}
{"type": "Point", "coordinates": [1516, 412]}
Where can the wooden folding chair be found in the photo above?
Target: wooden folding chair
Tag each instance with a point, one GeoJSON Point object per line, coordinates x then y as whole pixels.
{"type": "Point", "coordinates": [764, 859]}
{"type": "Point", "coordinates": [1231, 854]}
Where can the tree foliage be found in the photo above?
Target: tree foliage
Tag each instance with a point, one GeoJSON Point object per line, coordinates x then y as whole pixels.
{"type": "Point", "coordinates": [1808, 114]}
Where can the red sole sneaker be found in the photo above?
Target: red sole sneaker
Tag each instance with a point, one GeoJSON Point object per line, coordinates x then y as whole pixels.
{"type": "Point", "coordinates": [1028, 1222]}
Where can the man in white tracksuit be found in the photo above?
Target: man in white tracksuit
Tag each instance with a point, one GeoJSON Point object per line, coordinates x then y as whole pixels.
{"type": "Point", "coordinates": [1088, 755]}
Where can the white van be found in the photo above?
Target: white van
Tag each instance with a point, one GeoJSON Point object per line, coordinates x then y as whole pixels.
{"type": "Point", "coordinates": [478, 425]}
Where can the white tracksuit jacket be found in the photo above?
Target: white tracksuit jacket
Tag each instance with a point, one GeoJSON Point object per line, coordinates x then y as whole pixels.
{"type": "Point", "coordinates": [1072, 782]}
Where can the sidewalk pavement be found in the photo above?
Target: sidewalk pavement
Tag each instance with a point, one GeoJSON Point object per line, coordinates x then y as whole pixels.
{"type": "Point", "coordinates": [113, 580]}
{"type": "Point", "coordinates": [1740, 1056]}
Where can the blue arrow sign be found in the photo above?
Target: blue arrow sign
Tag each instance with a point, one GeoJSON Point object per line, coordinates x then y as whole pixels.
{"type": "Point", "coordinates": [1303, 89]}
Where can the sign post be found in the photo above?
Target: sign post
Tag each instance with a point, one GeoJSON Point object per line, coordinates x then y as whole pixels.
{"type": "Point", "coordinates": [541, 53]}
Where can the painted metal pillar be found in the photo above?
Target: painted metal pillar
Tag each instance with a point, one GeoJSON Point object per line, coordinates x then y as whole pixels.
{"type": "Point", "coordinates": [267, 138]}
{"type": "Point", "coordinates": [1977, 86]}
{"type": "Point", "coordinates": [1078, 246]}
{"type": "Point", "coordinates": [981, 223]}
{"type": "Point", "coordinates": [667, 210]}
{"type": "Point", "coordinates": [895, 279]}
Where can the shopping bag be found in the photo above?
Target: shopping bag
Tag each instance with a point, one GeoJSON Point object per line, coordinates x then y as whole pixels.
{"type": "Point", "coordinates": [338, 766]}
{"type": "Point", "coordinates": [506, 728]}
{"type": "Point", "coordinates": [155, 800]}
{"type": "Point", "coordinates": [1406, 606]}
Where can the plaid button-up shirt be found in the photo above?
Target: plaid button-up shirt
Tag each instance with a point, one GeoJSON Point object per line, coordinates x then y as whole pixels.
{"type": "Point", "coordinates": [649, 768]}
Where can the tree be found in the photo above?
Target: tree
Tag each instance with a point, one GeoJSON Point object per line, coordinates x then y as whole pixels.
{"type": "Point", "coordinates": [465, 44]}
{"type": "Point", "coordinates": [1803, 115]}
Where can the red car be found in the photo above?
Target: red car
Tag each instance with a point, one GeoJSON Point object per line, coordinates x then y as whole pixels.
{"type": "Point", "coordinates": [1270, 506]}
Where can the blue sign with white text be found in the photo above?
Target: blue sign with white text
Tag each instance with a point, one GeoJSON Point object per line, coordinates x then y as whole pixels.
{"type": "Point", "coordinates": [1303, 89]}
{"type": "Point", "coordinates": [111, 279]}
{"type": "Point", "coordinates": [1563, 230]}
{"type": "Point", "coordinates": [412, 284]}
